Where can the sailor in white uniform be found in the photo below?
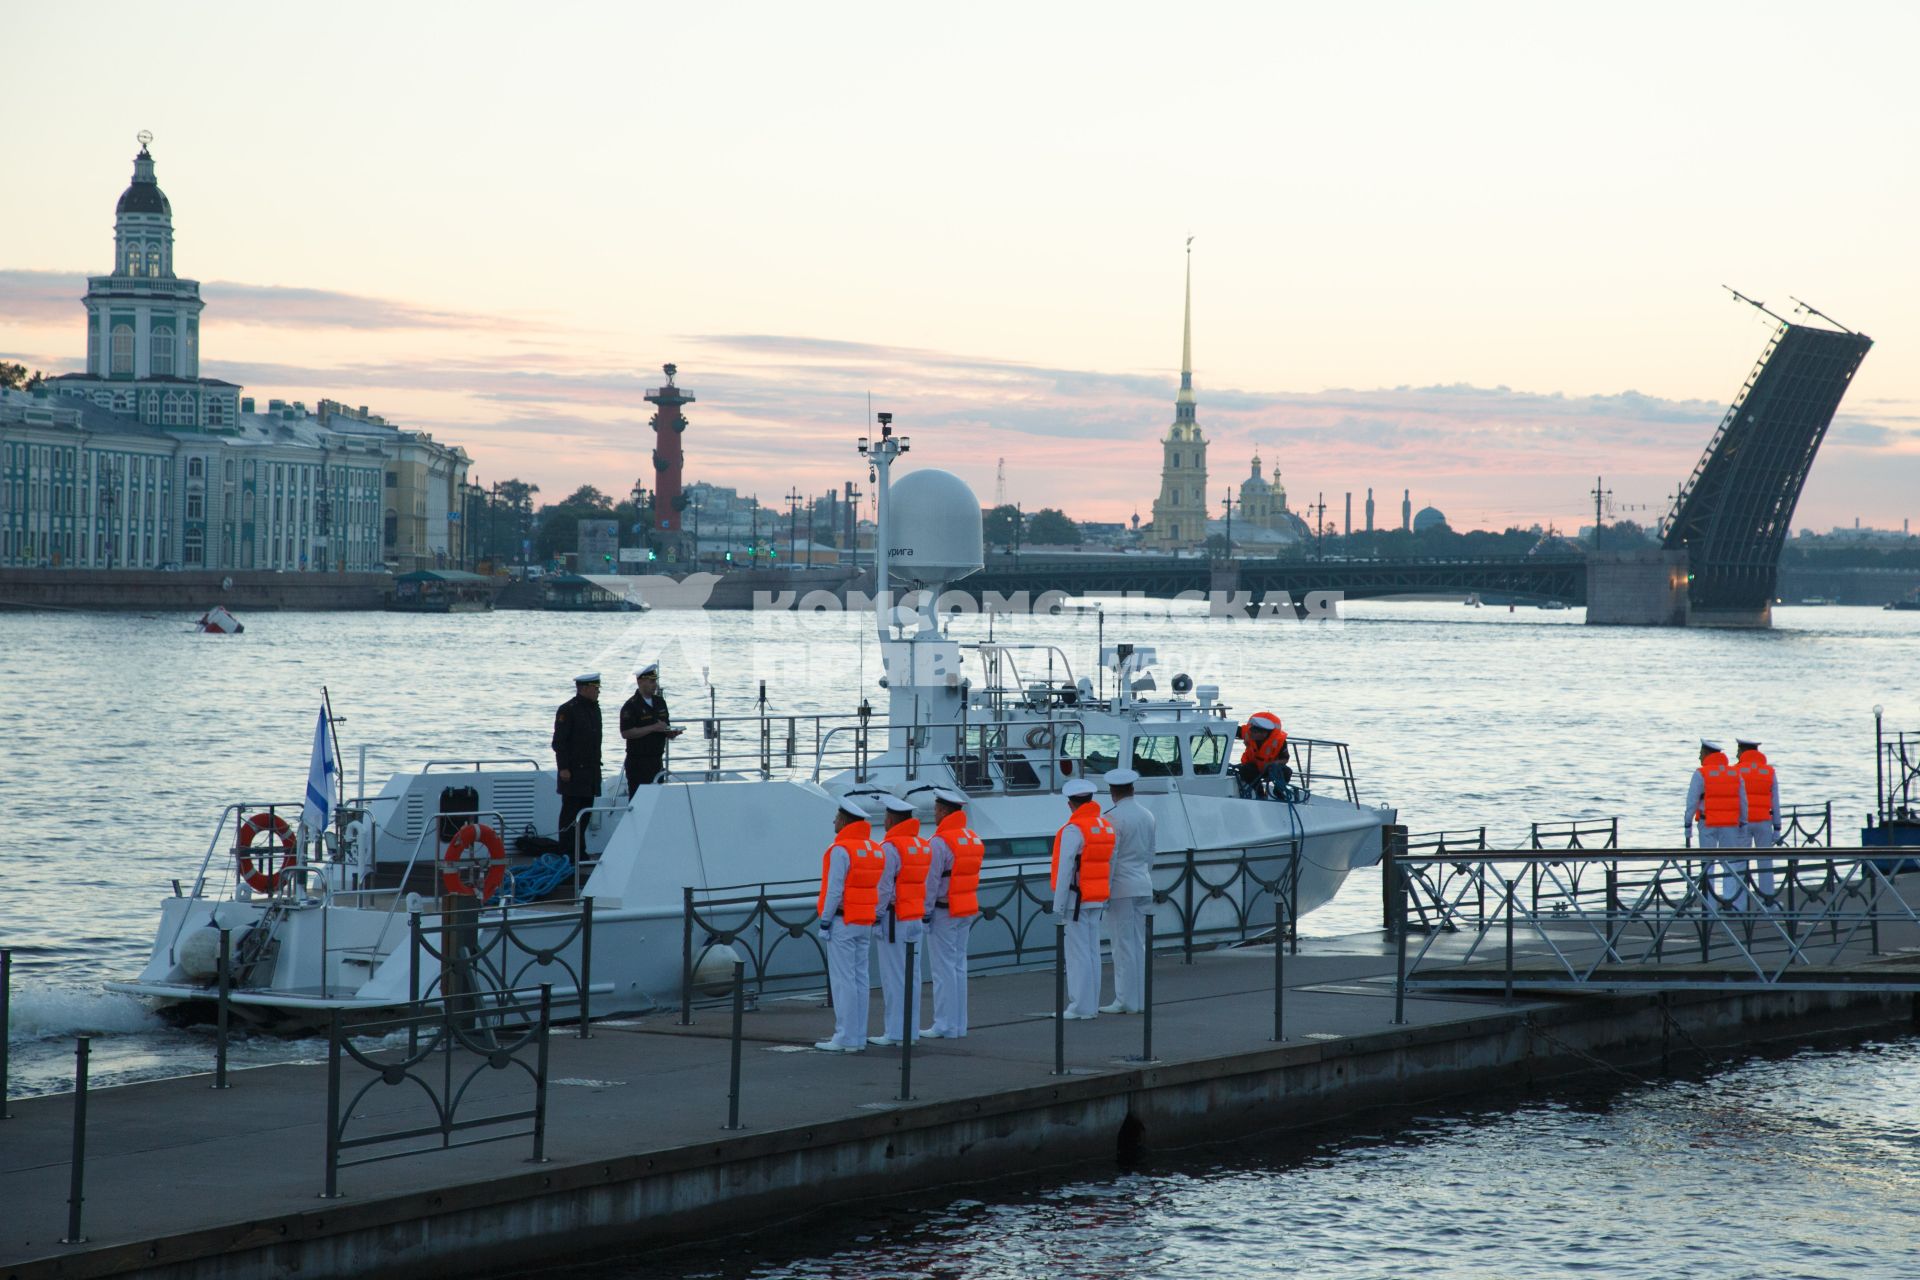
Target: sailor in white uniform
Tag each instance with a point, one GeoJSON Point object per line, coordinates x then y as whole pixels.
{"type": "Point", "coordinates": [1134, 840]}
{"type": "Point", "coordinates": [1719, 807]}
{"type": "Point", "coordinates": [947, 934]}
{"type": "Point", "coordinates": [847, 944]}
{"type": "Point", "coordinates": [893, 931]}
{"type": "Point", "coordinates": [1082, 917]}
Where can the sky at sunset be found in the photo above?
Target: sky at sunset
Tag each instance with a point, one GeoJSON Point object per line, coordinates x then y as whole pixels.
{"type": "Point", "coordinates": [1471, 250]}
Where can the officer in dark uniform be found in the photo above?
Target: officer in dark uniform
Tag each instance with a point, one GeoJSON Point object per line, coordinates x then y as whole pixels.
{"type": "Point", "coordinates": [646, 727]}
{"type": "Point", "coordinates": [576, 757]}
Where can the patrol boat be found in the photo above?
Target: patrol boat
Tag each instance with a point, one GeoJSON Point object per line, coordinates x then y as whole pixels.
{"type": "Point", "coordinates": [329, 920]}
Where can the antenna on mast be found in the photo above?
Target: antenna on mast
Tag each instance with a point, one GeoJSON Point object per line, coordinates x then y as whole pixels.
{"type": "Point", "coordinates": [1812, 310]}
{"type": "Point", "coordinates": [1757, 306]}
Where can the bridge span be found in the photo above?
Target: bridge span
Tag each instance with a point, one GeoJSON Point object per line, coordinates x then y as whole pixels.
{"type": "Point", "coordinates": [1533, 579]}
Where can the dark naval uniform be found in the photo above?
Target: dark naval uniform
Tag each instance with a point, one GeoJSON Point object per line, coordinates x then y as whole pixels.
{"type": "Point", "coordinates": [645, 756]}
{"type": "Point", "coordinates": [576, 750]}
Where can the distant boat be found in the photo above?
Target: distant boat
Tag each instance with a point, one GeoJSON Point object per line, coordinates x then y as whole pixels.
{"type": "Point", "coordinates": [1553, 605]}
{"type": "Point", "coordinates": [218, 622]}
{"type": "Point", "coordinates": [1473, 600]}
{"type": "Point", "coordinates": [1819, 600]}
{"type": "Point", "coordinates": [1910, 604]}
{"type": "Point", "coordinates": [441, 591]}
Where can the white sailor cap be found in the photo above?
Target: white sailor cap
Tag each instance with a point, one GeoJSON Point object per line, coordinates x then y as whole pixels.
{"type": "Point", "coordinates": [1121, 777]}
{"type": "Point", "coordinates": [651, 669]}
{"type": "Point", "coordinates": [853, 810]}
{"type": "Point", "coordinates": [589, 677]}
{"type": "Point", "coordinates": [1265, 721]}
{"type": "Point", "coordinates": [947, 795]}
{"type": "Point", "coordinates": [894, 804]}
{"type": "Point", "coordinates": [1709, 746]}
{"type": "Point", "coordinates": [1078, 789]}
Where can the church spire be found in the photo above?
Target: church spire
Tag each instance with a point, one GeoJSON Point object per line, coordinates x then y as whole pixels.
{"type": "Point", "coordinates": [1183, 403]}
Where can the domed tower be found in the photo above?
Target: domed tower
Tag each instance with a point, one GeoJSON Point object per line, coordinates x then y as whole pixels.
{"type": "Point", "coordinates": [143, 322]}
{"type": "Point", "coordinates": [1180, 512]}
{"type": "Point", "coordinates": [1256, 498]}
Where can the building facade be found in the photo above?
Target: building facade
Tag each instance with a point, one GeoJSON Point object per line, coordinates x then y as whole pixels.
{"type": "Point", "coordinates": [141, 463]}
{"type": "Point", "coordinates": [1180, 512]}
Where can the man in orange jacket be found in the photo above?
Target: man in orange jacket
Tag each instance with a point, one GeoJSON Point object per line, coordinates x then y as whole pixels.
{"type": "Point", "coordinates": [1263, 757]}
{"type": "Point", "coordinates": [1717, 802]}
{"type": "Point", "coordinates": [848, 906]}
{"type": "Point", "coordinates": [1082, 872]}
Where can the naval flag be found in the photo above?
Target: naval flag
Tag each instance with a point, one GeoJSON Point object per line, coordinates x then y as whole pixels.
{"type": "Point", "coordinates": [318, 810]}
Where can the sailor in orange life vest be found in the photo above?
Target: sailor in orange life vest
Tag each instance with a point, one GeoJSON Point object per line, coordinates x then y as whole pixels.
{"type": "Point", "coordinates": [849, 904]}
{"type": "Point", "coordinates": [1135, 837]}
{"type": "Point", "coordinates": [953, 890]}
{"type": "Point", "coordinates": [1762, 787]}
{"type": "Point", "coordinates": [1263, 757]}
{"type": "Point", "coordinates": [903, 906]}
{"type": "Point", "coordinates": [1082, 861]}
{"type": "Point", "coordinates": [1717, 801]}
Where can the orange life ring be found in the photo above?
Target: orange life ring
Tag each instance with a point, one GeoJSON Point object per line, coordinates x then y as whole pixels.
{"type": "Point", "coordinates": [258, 879]}
{"type": "Point", "coordinates": [464, 839]}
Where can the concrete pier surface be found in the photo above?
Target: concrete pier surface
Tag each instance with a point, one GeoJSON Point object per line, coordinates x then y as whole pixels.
{"type": "Point", "coordinates": [185, 1180]}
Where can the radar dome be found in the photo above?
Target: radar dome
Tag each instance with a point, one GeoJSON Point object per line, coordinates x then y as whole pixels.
{"type": "Point", "coordinates": [934, 525]}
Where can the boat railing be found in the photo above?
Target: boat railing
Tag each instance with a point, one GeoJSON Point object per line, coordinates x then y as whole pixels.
{"type": "Point", "coordinates": [814, 746]}
{"type": "Point", "coordinates": [1216, 895]}
{"type": "Point", "coordinates": [476, 766]}
{"type": "Point", "coordinates": [1321, 763]}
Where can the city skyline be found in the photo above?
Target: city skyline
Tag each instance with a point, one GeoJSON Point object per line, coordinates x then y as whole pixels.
{"type": "Point", "coordinates": [1480, 310]}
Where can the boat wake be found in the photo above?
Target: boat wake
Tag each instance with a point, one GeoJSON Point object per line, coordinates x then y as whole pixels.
{"type": "Point", "coordinates": [46, 1012]}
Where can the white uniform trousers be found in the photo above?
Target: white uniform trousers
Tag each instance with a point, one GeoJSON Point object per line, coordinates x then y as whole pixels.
{"type": "Point", "coordinates": [893, 973]}
{"type": "Point", "coordinates": [1127, 927]}
{"type": "Point", "coordinates": [847, 947]}
{"type": "Point", "coordinates": [1728, 876]}
{"type": "Point", "coordinates": [1760, 836]}
{"type": "Point", "coordinates": [947, 963]}
{"type": "Point", "coordinates": [1083, 960]}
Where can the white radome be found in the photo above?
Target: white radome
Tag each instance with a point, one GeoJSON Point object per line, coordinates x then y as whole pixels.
{"type": "Point", "coordinates": [935, 529]}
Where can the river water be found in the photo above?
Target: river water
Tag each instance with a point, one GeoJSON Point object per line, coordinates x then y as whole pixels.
{"type": "Point", "coordinates": [122, 736]}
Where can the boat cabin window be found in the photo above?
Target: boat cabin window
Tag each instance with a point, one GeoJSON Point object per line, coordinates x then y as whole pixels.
{"type": "Point", "coordinates": [1156, 755]}
{"type": "Point", "coordinates": [1208, 752]}
{"type": "Point", "coordinates": [1098, 753]}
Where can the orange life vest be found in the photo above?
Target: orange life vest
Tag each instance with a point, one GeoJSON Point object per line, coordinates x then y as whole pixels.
{"type": "Point", "coordinates": [1758, 775]}
{"type": "Point", "coordinates": [1265, 752]}
{"type": "Point", "coordinates": [860, 895]}
{"type": "Point", "coordinates": [910, 881]}
{"type": "Point", "coordinates": [1096, 854]}
{"type": "Point", "coordinates": [1720, 802]}
{"type": "Point", "coordinates": [963, 881]}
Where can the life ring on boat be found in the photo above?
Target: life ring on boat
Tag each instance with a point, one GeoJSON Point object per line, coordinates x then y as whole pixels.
{"type": "Point", "coordinates": [464, 839]}
{"type": "Point", "coordinates": [258, 878]}
{"type": "Point", "coordinates": [1040, 736]}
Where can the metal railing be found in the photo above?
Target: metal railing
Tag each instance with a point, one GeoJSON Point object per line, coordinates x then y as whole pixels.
{"type": "Point", "coordinates": [1215, 895]}
{"type": "Point", "coordinates": [493, 951]}
{"type": "Point", "coordinates": [1439, 861]}
{"type": "Point", "coordinates": [1659, 919]}
{"type": "Point", "coordinates": [511, 1030]}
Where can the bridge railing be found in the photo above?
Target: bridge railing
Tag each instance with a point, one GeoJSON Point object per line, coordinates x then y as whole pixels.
{"type": "Point", "coordinates": [1667, 918]}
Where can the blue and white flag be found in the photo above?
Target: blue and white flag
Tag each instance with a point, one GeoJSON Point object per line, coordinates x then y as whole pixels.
{"type": "Point", "coordinates": [318, 810]}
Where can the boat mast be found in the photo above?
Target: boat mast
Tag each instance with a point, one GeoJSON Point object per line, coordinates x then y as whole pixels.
{"type": "Point", "coordinates": [880, 454]}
